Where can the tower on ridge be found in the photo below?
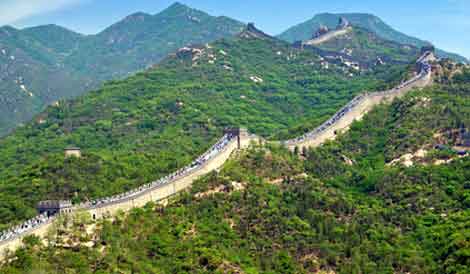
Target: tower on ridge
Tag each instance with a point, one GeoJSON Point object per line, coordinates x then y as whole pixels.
{"type": "Point", "coordinates": [238, 133]}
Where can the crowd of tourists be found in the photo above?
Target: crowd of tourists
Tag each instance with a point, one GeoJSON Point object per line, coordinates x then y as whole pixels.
{"type": "Point", "coordinates": [29, 225]}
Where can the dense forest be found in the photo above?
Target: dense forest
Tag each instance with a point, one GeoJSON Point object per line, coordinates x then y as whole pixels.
{"type": "Point", "coordinates": [136, 130]}
{"type": "Point", "coordinates": [345, 207]}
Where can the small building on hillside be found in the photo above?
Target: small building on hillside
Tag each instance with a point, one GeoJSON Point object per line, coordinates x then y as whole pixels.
{"type": "Point", "coordinates": [429, 48]}
{"type": "Point", "coordinates": [54, 207]}
{"type": "Point", "coordinates": [238, 133]}
{"type": "Point", "coordinates": [73, 152]}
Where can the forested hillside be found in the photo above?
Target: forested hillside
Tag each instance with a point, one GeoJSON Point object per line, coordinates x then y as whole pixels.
{"type": "Point", "coordinates": [135, 130]}
{"type": "Point", "coordinates": [41, 65]}
{"type": "Point", "coordinates": [346, 207]}
{"type": "Point", "coordinates": [31, 75]}
{"type": "Point", "coordinates": [304, 31]}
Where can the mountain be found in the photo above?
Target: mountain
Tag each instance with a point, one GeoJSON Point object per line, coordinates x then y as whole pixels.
{"type": "Point", "coordinates": [142, 40]}
{"type": "Point", "coordinates": [370, 22]}
{"type": "Point", "coordinates": [345, 207]}
{"type": "Point", "coordinates": [135, 130]}
{"type": "Point", "coordinates": [55, 38]}
{"type": "Point", "coordinates": [41, 65]}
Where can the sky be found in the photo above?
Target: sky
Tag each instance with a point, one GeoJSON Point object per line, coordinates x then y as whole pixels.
{"type": "Point", "coordinates": [445, 23]}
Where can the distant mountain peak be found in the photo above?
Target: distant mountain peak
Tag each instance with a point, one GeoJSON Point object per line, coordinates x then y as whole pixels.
{"type": "Point", "coordinates": [50, 27]}
{"type": "Point", "coordinates": [252, 32]}
{"type": "Point", "coordinates": [178, 7]}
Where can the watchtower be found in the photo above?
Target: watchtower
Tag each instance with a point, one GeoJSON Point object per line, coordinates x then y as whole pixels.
{"type": "Point", "coordinates": [238, 133]}
{"type": "Point", "coordinates": [73, 152]}
{"type": "Point", "coordinates": [429, 48]}
{"type": "Point", "coordinates": [54, 207]}
{"type": "Point", "coordinates": [342, 23]}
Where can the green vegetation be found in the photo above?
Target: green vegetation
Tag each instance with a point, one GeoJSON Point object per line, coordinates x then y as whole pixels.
{"type": "Point", "coordinates": [338, 208]}
{"type": "Point", "coordinates": [136, 130]}
{"type": "Point", "coordinates": [54, 63]}
{"type": "Point", "coordinates": [369, 22]}
{"type": "Point", "coordinates": [30, 77]}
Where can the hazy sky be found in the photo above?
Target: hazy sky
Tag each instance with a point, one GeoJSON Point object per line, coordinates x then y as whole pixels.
{"type": "Point", "coordinates": [446, 23]}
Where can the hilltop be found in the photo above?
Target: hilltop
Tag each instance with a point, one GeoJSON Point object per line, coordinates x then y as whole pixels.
{"type": "Point", "coordinates": [304, 31]}
{"type": "Point", "coordinates": [345, 207]}
{"type": "Point", "coordinates": [135, 130]}
{"type": "Point", "coordinates": [41, 65]}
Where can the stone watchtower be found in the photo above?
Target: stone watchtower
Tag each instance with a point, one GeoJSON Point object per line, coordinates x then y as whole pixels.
{"type": "Point", "coordinates": [343, 23]}
{"type": "Point", "coordinates": [239, 133]}
{"type": "Point", "coordinates": [54, 207]}
{"type": "Point", "coordinates": [73, 152]}
{"type": "Point", "coordinates": [429, 48]}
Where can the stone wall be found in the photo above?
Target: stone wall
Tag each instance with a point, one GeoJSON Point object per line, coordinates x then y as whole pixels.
{"type": "Point", "coordinates": [328, 36]}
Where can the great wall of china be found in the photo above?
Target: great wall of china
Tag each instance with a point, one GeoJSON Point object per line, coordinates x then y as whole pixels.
{"type": "Point", "coordinates": [217, 156]}
{"type": "Point", "coordinates": [328, 36]}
